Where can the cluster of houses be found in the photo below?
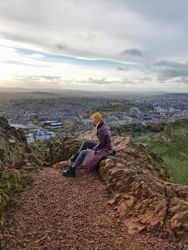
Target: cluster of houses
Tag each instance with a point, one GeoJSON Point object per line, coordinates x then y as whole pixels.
{"type": "Point", "coordinates": [154, 109]}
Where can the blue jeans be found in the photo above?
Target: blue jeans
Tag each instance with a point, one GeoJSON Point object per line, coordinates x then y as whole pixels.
{"type": "Point", "coordinates": [83, 151]}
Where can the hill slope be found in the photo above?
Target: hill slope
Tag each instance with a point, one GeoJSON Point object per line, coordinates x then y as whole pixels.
{"type": "Point", "coordinates": [169, 142]}
{"type": "Point", "coordinates": [171, 145]}
{"type": "Point", "coordinates": [134, 180]}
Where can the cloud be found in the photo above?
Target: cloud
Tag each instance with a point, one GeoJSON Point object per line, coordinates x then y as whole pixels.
{"type": "Point", "coordinates": [132, 52]}
{"type": "Point", "coordinates": [79, 28]}
{"type": "Point", "coordinates": [167, 70]}
{"type": "Point", "coordinates": [101, 81]}
{"type": "Point", "coordinates": [95, 43]}
{"type": "Point", "coordinates": [100, 29]}
{"type": "Point", "coordinates": [121, 68]}
{"type": "Point", "coordinates": [37, 56]}
{"type": "Point", "coordinates": [42, 82]}
{"type": "Point", "coordinates": [125, 68]}
{"type": "Point", "coordinates": [134, 55]}
{"type": "Point", "coordinates": [60, 46]}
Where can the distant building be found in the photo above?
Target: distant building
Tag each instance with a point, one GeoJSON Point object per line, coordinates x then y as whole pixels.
{"type": "Point", "coordinates": [56, 125]}
{"type": "Point", "coordinates": [40, 135]}
{"type": "Point", "coordinates": [158, 109]}
{"type": "Point", "coordinates": [18, 126]}
{"type": "Point", "coordinates": [30, 138]}
{"type": "Point", "coordinates": [53, 124]}
{"type": "Point", "coordinates": [47, 123]}
{"type": "Point", "coordinates": [87, 122]}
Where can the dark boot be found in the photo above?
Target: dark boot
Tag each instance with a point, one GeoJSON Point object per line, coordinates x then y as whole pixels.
{"type": "Point", "coordinates": [70, 172]}
{"type": "Point", "coordinates": [74, 157]}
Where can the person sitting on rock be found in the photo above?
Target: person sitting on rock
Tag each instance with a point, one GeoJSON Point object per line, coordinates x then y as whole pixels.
{"type": "Point", "coordinates": [99, 151]}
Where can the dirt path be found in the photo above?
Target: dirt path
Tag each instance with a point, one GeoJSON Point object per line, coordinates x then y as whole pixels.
{"type": "Point", "coordinates": [62, 213]}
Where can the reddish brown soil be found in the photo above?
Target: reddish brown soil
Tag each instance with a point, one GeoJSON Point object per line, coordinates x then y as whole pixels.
{"type": "Point", "coordinates": [58, 213]}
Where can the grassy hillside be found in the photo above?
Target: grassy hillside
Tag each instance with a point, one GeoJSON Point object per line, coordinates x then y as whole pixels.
{"type": "Point", "coordinates": [170, 142]}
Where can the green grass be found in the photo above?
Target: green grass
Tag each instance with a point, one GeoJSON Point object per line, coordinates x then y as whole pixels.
{"type": "Point", "coordinates": [171, 145]}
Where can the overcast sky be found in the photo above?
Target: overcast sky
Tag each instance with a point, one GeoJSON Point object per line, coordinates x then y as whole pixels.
{"type": "Point", "coordinates": [117, 45]}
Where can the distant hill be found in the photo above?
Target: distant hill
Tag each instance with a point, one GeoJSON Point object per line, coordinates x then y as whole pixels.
{"type": "Point", "coordinates": [27, 95]}
{"type": "Point", "coordinates": [168, 141]}
{"type": "Point", "coordinates": [82, 93]}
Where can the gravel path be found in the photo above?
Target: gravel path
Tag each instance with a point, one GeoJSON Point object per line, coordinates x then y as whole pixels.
{"type": "Point", "coordinates": [58, 213]}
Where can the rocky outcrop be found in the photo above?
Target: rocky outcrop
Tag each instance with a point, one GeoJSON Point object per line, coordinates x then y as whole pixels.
{"type": "Point", "coordinates": [15, 153]}
{"type": "Point", "coordinates": [140, 192]}
{"type": "Point", "coordinates": [61, 149]}
{"type": "Point", "coordinates": [15, 160]}
{"type": "Point", "coordinates": [13, 145]}
{"type": "Point", "coordinates": [143, 198]}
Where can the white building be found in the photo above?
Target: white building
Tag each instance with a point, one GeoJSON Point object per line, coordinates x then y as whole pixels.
{"type": "Point", "coordinates": [40, 135]}
{"type": "Point", "coordinates": [18, 126]}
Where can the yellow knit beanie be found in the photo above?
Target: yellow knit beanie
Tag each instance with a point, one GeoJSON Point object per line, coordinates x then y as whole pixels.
{"type": "Point", "coordinates": [96, 117]}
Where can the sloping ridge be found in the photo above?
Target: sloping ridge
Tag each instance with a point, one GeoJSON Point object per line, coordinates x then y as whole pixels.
{"type": "Point", "coordinates": [143, 198]}
{"type": "Point", "coordinates": [139, 191]}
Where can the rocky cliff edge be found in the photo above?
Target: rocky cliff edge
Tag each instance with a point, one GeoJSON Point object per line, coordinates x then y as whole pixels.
{"type": "Point", "coordinates": [140, 192]}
